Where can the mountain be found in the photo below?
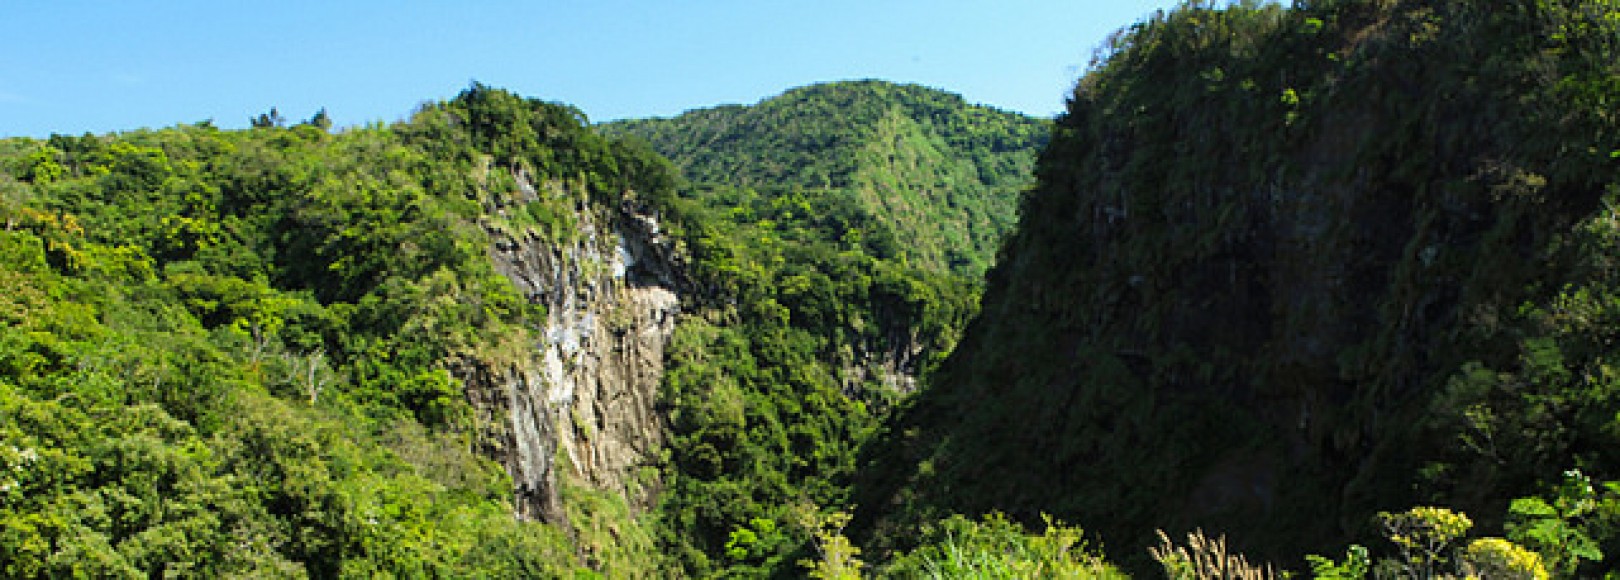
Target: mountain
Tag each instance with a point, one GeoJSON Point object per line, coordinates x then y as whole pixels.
{"type": "Point", "coordinates": [1286, 268]}
{"type": "Point", "coordinates": [1279, 274]}
{"type": "Point", "coordinates": [941, 175]}
{"type": "Point", "coordinates": [484, 341]}
{"type": "Point", "coordinates": [836, 235]}
{"type": "Point", "coordinates": [291, 352]}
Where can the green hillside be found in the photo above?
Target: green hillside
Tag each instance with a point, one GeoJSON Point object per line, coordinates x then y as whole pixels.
{"type": "Point", "coordinates": [243, 353]}
{"type": "Point", "coordinates": [1339, 278]}
{"type": "Point", "coordinates": [943, 175]}
{"type": "Point", "coordinates": [1286, 268]}
{"type": "Point", "coordinates": [224, 353]}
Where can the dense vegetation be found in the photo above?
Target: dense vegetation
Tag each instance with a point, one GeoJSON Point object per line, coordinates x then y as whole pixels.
{"type": "Point", "coordinates": [806, 339]}
{"type": "Point", "coordinates": [223, 352]}
{"type": "Point", "coordinates": [1285, 273]}
{"type": "Point", "coordinates": [217, 339]}
{"type": "Point", "coordinates": [942, 175]}
{"type": "Point", "coordinates": [812, 324]}
{"type": "Point", "coordinates": [1286, 268]}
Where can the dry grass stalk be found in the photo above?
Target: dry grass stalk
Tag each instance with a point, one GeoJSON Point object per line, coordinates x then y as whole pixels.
{"type": "Point", "coordinates": [1206, 559]}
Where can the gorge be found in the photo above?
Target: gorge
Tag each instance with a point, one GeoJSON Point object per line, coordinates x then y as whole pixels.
{"type": "Point", "coordinates": [1309, 279]}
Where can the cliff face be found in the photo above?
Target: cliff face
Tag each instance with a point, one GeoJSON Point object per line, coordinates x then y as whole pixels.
{"type": "Point", "coordinates": [580, 403]}
{"type": "Point", "coordinates": [1264, 245]}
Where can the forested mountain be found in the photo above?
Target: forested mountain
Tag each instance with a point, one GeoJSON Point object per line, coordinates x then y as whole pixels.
{"type": "Point", "coordinates": [263, 353]}
{"type": "Point", "coordinates": [942, 175]}
{"type": "Point", "coordinates": [485, 341]}
{"type": "Point", "coordinates": [1304, 277]}
{"type": "Point", "coordinates": [1289, 267]}
{"type": "Point", "coordinates": [832, 236]}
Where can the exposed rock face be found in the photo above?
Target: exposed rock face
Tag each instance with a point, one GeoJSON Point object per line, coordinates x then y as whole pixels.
{"type": "Point", "coordinates": [583, 399]}
{"type": "Point", "coordinates": [895, 365]}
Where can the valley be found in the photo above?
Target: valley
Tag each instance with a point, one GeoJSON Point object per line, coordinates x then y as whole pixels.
{"type": "Point", "coordinates": [1327, 285]}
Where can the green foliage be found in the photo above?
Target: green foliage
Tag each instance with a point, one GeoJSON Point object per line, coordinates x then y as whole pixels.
{"type": "Point", "coordinates": [1357, 563]}
{"type": "Point", "coordinates": [614, 541]}
{"type": "Point", "coordinates": [995, 547]}
{"type": "Point", "coordinates": [763, 410]}
{"type": "Point", "coordinates": [1432, 543]}
{"type": "Point", "coordinates": [839, 559]}
{"type": "Point", "coordinates": [287, 301]}
{"type": "Point", "coordinates": [834, 233]}
{"type": "Point", "coordinates": [757, 424]}
{"type": "Point", "coordinates": [1424, 536]}
{"type": "Point", "coordinates": [293, 296]}
{"type": "Point", "coordinates": [925, 165]}
{"type": "Point", "coordinates": [805, 335]}
{"type": "Point", "coordinates": [755, 541]}
{"type": "Point", "coordinates": [1285, 267]}
{"type": "Point", "coordinates": [1499, 558]}
{"type": "Point", "coordinates": [225, 353]}
{"type": "Point", "coordinates": [1347, 246]}
{"type": "Point", "coordinates": [1562, 530]}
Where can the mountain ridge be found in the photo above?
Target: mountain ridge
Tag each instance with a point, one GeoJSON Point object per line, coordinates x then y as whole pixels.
{"type": "Point", "coordinates": [486, 339]}
{"type": "Point", "coordinates": [936, 170]}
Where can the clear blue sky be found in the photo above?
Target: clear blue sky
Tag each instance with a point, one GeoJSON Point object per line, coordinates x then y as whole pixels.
{"type": "Point", "coordinates": [75, 66]}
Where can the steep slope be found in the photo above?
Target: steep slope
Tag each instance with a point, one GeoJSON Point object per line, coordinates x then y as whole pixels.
{"type": "Point", "coordinates": [831, 233]}
{"type": "Point", "coordinates": [800, 335]}
{"type": "Point", "coordinates": [571, 223]}
{"type": "Point", "coordinates": [287, 352]}
{"type": "Point", "coordinates": [1285, 268]}
{"type": "Point", "coordinates": [363, 352]}
{"type": "Point", "coordinates": [942, 175]}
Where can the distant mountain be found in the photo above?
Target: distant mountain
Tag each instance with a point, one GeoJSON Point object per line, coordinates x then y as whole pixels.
{"type": "Point", "coordinates": [942, 174]}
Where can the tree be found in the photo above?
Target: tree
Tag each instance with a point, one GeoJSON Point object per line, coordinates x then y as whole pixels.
{"type": "Point", "coordinates": [310, 371]}
{"type": "Point", "coordinates": [270, 119]}
{"type": "Point", "coordinates": [321, 120]}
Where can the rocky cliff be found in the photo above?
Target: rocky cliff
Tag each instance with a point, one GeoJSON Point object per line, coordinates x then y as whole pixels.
{"type": "Point", "coordinates": [580, 403]}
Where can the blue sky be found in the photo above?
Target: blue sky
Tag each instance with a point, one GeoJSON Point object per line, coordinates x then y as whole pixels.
{"type": "Point", "coordinates": [100, 66]}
